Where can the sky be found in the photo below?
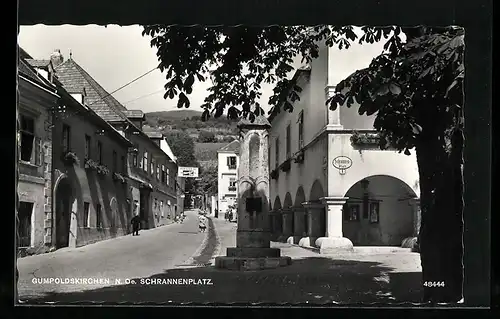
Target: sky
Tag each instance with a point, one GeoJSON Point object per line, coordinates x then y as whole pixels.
{"type": "Point", "coordinates": [115, 55]}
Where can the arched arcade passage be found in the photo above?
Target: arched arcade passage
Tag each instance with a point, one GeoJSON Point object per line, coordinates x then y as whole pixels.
{"type": "Point", "coordinates": [380, 211]}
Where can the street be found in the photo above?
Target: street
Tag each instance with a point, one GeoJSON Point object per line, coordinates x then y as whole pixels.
{"type": "Point", "coordinates": [173, 264]}
{"type": "Point", "coordinates": [120, 258]}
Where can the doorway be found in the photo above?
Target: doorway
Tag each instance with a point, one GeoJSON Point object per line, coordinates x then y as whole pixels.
{"type": "Point", "coordinates": [24, 225]}
{"type": "Point", "coordinates": [63, 213]}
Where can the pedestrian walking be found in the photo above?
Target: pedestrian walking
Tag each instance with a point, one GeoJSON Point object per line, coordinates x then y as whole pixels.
{"type": "Point", "coordinates": [136, 222]}
{"type": "Point", "coordinates": [202, 223]}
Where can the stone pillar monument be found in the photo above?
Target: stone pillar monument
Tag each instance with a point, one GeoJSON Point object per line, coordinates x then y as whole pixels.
{"type": "Point", "coordinates": [253, 235]}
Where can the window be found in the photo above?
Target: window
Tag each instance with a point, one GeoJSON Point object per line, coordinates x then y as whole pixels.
{"type": "Point", "coordinates": [152, 169]}
{"type": "Point", "coordinates": [351, 212]}
{"type": "Point", "coordinates": [145, 161]}
{"type": "Point", "coordinates": [161, 209]}
{"type": "Point", "coordinates": [163, 173]}
{"type": "Point", "coordinates": [277, 152]}
{"type": "Point", "coordinates": [232, 184]}
{"type": "Point", "coordinates": [66, 138]}
{"type": "Point", "coordinates": [232, 181]}
{"type": "Point", "coordinates": [86, 215]}
{"type": "Point", "coordinates": [301, 129]}
{"type": "Point", "coordinates": [124, 165]}
{"type": "Point", "coordinates": [98, 216]}
{"type": "Point", "coordinates": [31, 146]}
{"type": "Point", "coordinates": [24, 224]}
{"type": "Point", "coordinates": [168, 176]}
{"type": "Point", "coordinates": [134, 160]}
{"type": "Point", "coordinates": [288, 145]}
{"type": "Point", "coordinates": [231, 162]}
{"type": "Point", "coordinates": [87, 146]}
{"type": "Point", "coordinates": [99, 151]}
{"type": "Point", "coordinates": [158, 171]}
{"type": "Point", "coordinates": [374, 212]}
{"type": "Point", "coordinates": [115, 160]}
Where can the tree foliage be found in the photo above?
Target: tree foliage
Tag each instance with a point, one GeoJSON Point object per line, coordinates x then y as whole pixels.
{"type": "Point", "coordinates": [208, 181]}
{"type": "Point", "coordinates": [182, 145]}
{"type": "Point", "coordinates": [207, 137]}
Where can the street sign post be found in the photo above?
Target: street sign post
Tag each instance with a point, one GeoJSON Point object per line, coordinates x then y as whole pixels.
{"type": "Point", "coordinates": [188, 172]}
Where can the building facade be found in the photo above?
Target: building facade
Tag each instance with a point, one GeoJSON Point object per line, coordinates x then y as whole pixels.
{"type": "Point", "coordinates": [164, 169]}
{"type": "Point", "coordinates": [88, 169]}
{"type": "Point", "coordinates": [228, 162]}
{"type": "Point", "coordinates": [105, 167]}
{"type": "Point", "coordinates": [331, 186]}
{"type": "Point", "coordinates": [37, 99]}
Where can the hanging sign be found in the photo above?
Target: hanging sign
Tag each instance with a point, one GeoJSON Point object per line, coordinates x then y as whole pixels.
{"type": "Point", "coordinates": [188, 172]}
{"type": "Point", "coordinates": [342, 163]}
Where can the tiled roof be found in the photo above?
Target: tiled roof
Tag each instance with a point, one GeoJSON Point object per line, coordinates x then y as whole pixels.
{"type": "Point", "coordinates": [26, 69]}
{"type": "Point", "coordinates": [134, 114]}
{"type": "Point", "coordinates": [38, 63]}
{"type": "Point", "coordinates": [75, 79]}
{"type": "Point", "coordinates": [234, 146]}
{"type": "Point", "coordinates": [260, 120]}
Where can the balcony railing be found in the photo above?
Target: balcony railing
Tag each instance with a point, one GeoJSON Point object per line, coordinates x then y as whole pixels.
{"type": "Point", "coordinates": [232, 166]}
{"type": "Point", "coordinates": [232, 188]}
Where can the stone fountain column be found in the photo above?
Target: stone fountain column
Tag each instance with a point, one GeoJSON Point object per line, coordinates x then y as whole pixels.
{"type": "Point", "coordinates": [253, 235]}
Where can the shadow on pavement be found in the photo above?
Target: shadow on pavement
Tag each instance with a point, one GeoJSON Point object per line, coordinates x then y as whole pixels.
{"type": "Point", "coordinates": [313, 280]}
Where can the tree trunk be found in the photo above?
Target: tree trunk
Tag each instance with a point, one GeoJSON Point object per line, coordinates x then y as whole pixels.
{"type": "Point", "coordinates": [441, 231]}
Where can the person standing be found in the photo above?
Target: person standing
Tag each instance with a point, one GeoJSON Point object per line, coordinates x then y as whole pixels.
{"type": "Point", "coordinates": [202, 223]}
{"type": "Point", "coordinates": [136, 222]}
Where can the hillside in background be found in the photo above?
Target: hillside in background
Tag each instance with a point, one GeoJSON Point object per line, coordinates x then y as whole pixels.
{"type": "Point", "coordinates": [190, 121]}
{"type": "Point", "coordinates": [174, 114]}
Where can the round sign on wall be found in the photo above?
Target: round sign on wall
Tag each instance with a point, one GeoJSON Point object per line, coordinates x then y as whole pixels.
{"type": "Point", "coordinates": [342, 163]}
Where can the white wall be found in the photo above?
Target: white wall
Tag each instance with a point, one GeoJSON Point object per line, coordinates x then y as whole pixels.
{"type": "Point", "coordinates": [226, 197]}
{"type": "Point", "coordinates": [367, 163]}
{"type": "Point", "coordinates": [301, 174]}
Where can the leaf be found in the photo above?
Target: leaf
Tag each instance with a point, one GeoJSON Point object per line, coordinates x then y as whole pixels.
{"type": "Point", "coordinates": [448, 89]}
{"type": "Point", "coordinates": [200, 77]}
{"type": "Point", "coordinates": [189, 81]}
{"type": "Point", "coordinates": [383, 90]}
{"type": "Point", "coordinates": [205, 115]}
{"type": "Point", "coordinates": [183, 101]}
{"type": "Point", "coordinates": [407, 152]}
{"type": "Point", "coordinates": [395, 89]}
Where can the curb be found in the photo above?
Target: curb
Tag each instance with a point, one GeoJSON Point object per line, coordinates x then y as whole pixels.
{"type": "Point", "coordinates": [190, 260]}
{"type": "Point", "coordinates": [217, 245]}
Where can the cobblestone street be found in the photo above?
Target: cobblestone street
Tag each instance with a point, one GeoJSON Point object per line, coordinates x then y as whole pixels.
{"type": "Point", "coordinates": [358, 277]}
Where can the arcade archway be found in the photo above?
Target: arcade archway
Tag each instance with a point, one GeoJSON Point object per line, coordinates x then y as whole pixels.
{"type": "Point", "coordinates": [380, 211]}
{"type": "Point", "coordinates": [315, 195]}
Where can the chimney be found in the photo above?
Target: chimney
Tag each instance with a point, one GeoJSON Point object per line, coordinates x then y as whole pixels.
{"type": "Point", "coordinates": [56, 58]}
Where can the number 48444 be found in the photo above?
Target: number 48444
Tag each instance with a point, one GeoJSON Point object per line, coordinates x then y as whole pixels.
{"type": "Point", "coordinates": [433, 283]}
